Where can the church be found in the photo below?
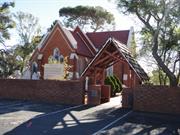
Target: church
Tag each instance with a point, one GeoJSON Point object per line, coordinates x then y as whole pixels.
{"type": "Point", "coordinates": [92, 55]}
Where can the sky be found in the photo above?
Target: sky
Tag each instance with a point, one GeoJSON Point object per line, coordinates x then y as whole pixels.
{"type": "Point", "coordinates": [48, 10]}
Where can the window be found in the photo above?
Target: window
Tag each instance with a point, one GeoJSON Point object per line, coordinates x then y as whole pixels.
{"type": "Point", "coordinates": [56, 54]}
{"type": "Point", "coordinates": [34, 67]}
{"type": "Point", "coordinates": [109, 71]}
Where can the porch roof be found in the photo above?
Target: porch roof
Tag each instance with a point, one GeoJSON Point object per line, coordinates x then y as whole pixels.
{"type": "Point", "coordinates": [112, 52]}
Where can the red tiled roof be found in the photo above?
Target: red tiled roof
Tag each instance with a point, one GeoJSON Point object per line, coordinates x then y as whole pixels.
{"type": "Point", "coordinates": [82, 49]}
{"type": "Point", "coordinates": [99, 38]}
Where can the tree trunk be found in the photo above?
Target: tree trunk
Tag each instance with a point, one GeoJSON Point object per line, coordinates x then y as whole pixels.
{"type": "Point", "coordinates": [172, 78]}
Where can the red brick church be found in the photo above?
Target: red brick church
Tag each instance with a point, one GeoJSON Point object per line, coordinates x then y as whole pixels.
{"type": "Point", "coordinates": [94, 55]}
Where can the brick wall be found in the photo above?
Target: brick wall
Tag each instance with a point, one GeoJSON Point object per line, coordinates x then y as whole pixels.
{"type": "Point", "coordinates": [157, 99]}
{"type": "Point", "coordinates": [127, 97]}
{"type": "Point", "coordinates": [55, 40]}
{"type": "Point", "coordinates": [63, 92]}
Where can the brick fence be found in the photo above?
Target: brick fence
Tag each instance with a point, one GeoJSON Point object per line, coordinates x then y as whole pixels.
{"type": "Point", "coordinates": [157, 99]}
{"type": "Point", "coordinates": [127, 98]}
{"type": "Point", "coordinates": [63, 92]}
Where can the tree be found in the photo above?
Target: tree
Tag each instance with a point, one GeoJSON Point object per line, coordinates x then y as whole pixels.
{"type": "Point", "coordinates": [8, 63]}
{"type": "Point", "coordinates": [28, 30]}
{"type": "Point", "coordinates": [5, 21]}
{"type": "Point", "coordinates": [27, 26]}
{"type": "Point", "coordinates": [95, 18]}
{"type": "Point", "coordinates": [161, 25]}
{"type": "Point", "coordinates": [52, 25]}
{"type": "Point", "coordinates": [159, 77]}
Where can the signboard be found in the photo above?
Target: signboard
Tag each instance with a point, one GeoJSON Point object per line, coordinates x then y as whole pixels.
{"type": "Point", "coordinates": [54, 71]}
{"type": "Point", "coordinates": [94, 93]}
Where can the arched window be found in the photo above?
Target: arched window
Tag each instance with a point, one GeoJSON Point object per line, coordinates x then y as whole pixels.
{"type": "Point", "coordinates": [56, 54]}
{"type": "Point", "coordinates": [34, 67]}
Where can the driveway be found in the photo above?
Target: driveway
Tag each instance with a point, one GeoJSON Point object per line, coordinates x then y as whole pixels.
{"type": "Point", "coordinates": [30, 118]}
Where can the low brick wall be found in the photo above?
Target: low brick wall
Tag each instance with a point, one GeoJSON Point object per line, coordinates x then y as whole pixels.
{"type": "Point", "coordinates": [127, 98]}
{"type": "Point", "coordinates": [63, 92]}
{"type": "Point", "coordinates": [160, 99]}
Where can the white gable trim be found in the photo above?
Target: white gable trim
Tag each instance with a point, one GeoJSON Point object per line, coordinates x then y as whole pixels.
{"type": "Point", "coordinates": [51, 34]}
{"type": "Point", "coordinates": [70, 37]}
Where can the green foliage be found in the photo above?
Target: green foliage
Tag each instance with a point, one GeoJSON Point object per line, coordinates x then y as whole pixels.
{"type": "Point", "coordinates": [8, 63]}
{"type": "Point", "coordinates": [119, 83]}
{"type": "Point", "coordinates": [95, 18]}
{"type": "Point", "coordinates": [159, 77]}
{"type": "Point", "coordinates": [6, 22]}
{"type": "Point", "coordinates": [52, 25]}
{"type": "Point", "coordinates": [114, 82]}
{"type": "Point", "coordinates": [160, 32]}
{"type": "Point", "coordinates": [109, 81]}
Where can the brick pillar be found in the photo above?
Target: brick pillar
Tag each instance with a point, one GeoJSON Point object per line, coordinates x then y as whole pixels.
{"type": "Point", "coordinates": [94, 95]}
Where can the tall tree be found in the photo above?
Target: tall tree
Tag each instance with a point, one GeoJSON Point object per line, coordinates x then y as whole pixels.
{"type": "Point", "coordinates": [8, 63]}
{"type": "Point", "coordinates": [161, 19]}
{"type": "Point", "coordinates": [27, 26]}
{"type": "Point", "coordinates": [5, 21]}
{"type": "Point", "coordinates": [29, 31]}
{"type": "Point", "coordinates": [95, 18]}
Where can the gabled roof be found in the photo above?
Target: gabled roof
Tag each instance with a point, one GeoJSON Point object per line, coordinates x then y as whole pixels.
{"type": "Point", "coordinates": [99, 38]}
{"type": "Point", "coordinates": [66, 33]}
{"type": "Point", "coordinates": [121, 53]}
{"type": "Point", "coordinates": [84, 45]}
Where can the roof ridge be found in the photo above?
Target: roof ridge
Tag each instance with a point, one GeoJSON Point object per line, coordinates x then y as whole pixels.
{"type": "Point", "coordinates": [107, 31]}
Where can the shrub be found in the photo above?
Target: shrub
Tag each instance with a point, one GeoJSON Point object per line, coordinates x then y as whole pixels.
{"type": "Point", "coordinates": [109, 81]}
{"type": "Point", "coordinates": [119, 83]}
{"type": "Point", "coordinates": [115, 83]}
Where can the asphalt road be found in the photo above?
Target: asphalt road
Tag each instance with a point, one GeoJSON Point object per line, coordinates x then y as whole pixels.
{"type": "Point", "coordinates": [141, 123]}
{"type": "Point", "coordinates": [30, 118]}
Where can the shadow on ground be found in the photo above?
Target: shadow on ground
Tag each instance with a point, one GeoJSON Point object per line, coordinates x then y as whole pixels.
{"type": "Point", "coordinates": [67, 123]}
{"type": "Point", "coordinates": [139, 123]}
{"type": "Point", "coordinates": [10, 106]}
